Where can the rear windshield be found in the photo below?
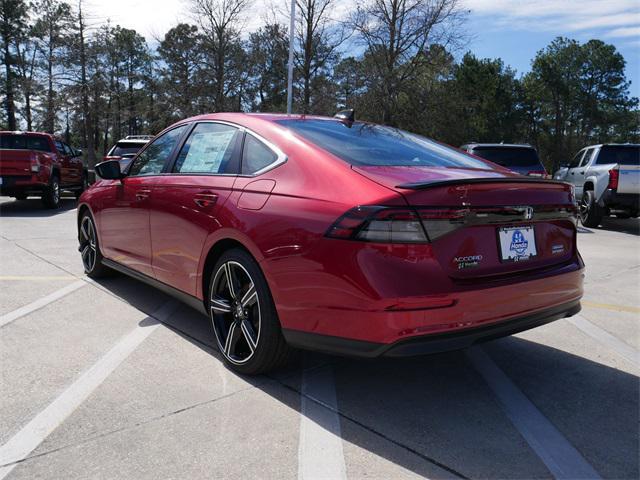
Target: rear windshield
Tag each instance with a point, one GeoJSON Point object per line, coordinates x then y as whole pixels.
{"type": "Point", "coordinates": [24, 142]}
{"type": "Point", "coordinates": [367, 144]}
{"type": "Point", "coordinates": [620, 154]}
{"type": "Point", "coordinates": [509, 156]}
{"type": "Point", "coordinates": [127, 148]}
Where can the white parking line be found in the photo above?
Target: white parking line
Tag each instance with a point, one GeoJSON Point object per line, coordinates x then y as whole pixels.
{"type": "Point", "coordinates": [560, 457]}
{"type": "Point", "coordinates": [320, 452]}
{"type": "Point", "coordinates": [40, 427]}
{"type": "Point", "coordinates": [41, 302]}
{"type": "Point", "coordinates": [621, 348]}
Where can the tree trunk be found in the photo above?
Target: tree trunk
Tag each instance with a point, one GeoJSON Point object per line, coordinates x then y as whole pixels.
{"type": "Point", "coordinates": [220, 73]}
{"type": "Point", "coordinates": [9, 101]}
{"type": "Point", "coordinates": [86, 112]}
{"type": "Point", "coordinates": [50, 115]}
{"type": "Point", "coordinates": [306, 67]}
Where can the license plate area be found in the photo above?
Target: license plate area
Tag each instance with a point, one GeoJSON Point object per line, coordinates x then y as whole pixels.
{"type": "Point", "coordinates": [517, 244]}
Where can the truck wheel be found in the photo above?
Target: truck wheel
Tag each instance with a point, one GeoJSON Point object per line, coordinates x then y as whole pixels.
{"type": "Point", "coordinates": [51, 194]}
{"type": "Point", "coordinates": [85, 185]}
{"type": "Point", "coordinates": [590, 212]}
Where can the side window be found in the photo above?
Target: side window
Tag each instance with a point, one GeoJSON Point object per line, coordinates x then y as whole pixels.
{"type": "Point", "coordinates": [576, 160]}
{"type": "Point", "coordinates": [152, 159]}
{"type": "Point", "coordinates": [60, 147]}
{"type": "Point", "coordinates": [68, 150]}
{"type": "Point", "coordinates": [208, 149]}
{"type": "Point", "coordinates": [256, 155]}
{"type": "Point", "coordinates": [587, 157]}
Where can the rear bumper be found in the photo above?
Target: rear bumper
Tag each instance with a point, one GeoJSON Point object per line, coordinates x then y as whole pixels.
{"type": "Point", "coordinates": [433, 343]}
{"type": "Point", "coordinates": [21, 184]}
{"type": "Point", "coordinates": [614, 200]}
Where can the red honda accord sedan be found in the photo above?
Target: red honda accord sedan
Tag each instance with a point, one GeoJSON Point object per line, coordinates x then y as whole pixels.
{"type": "Point", "coordinates": [333, 235]}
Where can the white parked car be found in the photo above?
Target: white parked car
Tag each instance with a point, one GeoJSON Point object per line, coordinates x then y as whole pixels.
{"type": "Point", "coordinates": [606, 180]}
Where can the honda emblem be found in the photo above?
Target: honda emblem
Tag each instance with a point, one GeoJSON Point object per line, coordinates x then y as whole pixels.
{"type": "Point", "coordinates": [528, 213]}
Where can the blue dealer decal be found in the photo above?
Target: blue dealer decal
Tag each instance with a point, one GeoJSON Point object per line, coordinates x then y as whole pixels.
{"type": "Point", "coordinates": [518, 243]}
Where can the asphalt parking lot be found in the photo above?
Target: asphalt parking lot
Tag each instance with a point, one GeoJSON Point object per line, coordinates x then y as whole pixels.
{"type": "Point", "coordinates": [116, 380]}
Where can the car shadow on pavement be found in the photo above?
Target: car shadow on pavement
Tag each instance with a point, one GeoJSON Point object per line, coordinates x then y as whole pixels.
{"type": "Point", "coordinates": [622, 225]}
{"type": "Point", "coordinates": [32, 207]}
{"type": "Point", "coordinates": [435, 411]}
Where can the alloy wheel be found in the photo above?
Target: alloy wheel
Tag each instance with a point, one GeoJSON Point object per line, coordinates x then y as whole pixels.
{"type": "Point", "coordinates": [235, 312]}
{"type": "Point", "coordinates": [88, 248]}
{"type": "Point", "coordinates": [583, 207]}
{"type": "Point", "coordinates": [56, 191]}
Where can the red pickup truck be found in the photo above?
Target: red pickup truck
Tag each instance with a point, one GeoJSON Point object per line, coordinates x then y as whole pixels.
{"type": "Point", "coordinates": [33, 163]}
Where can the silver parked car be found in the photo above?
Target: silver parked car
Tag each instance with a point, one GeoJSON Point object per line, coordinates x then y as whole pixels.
{"type": "Point", "coordinates": [606, 180]}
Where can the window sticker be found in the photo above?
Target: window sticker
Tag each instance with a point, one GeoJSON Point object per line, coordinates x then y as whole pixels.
{"type": "Point", "coordinates": [206, 151]}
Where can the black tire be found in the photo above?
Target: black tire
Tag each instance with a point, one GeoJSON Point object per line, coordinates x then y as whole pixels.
{"type": "Point", "coordinates": [85, 185]}
{"type": "Point", "coordinates": [90, 248]}
{"type": "Point", "coordinates": [51, 194]}
{"type": "Point", "coordinates": [244, 318]}
{"type": "Point", "coordinates": [20, 196]}
{"type": "Point", "coordinates": [590, 212]}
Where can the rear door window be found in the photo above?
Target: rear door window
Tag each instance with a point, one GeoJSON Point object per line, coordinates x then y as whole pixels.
{"type": "Point", "coordinates": [68, 150]}
{"type": "Point", "coordinates": [208, 150]}
{"type": "Point", "coordinates": [587, 157]}
{"type": "Point", "coordinates": [59, 147]}
{"type": "Point", "coordinates": [152, 160]}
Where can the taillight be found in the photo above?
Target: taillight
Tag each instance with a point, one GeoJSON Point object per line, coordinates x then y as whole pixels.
{"type": "Point", "coordinates": [379, 224]}
{"type": "Point", "coordinates": [396, 225]}
{"type": "Point", "coordinates": [35, 164]}
{"type": "Point", "coordinates": [614, 176]}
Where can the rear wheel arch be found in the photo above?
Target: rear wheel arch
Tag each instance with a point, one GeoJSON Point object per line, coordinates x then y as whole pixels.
{"type": "Point", "coordinates": [82, 209]}
{"type": "Point", "coordinates": [214, 253]}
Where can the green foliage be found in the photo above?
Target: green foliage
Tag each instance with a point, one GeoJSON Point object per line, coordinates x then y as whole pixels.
{"type": "Point", "coordinates": [96, 87]}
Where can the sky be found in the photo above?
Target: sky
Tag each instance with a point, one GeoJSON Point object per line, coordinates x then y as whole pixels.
{"type": "Point", "coordinates": [514, 30]}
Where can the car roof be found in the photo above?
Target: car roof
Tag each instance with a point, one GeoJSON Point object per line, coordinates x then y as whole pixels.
{"type": "Point", "coordinates": [25, 132]}
{"type": "Point", "coordinates": [129, 140]}
{"type": "Point", "coordinates": [498, 145]}
{"type": "Point", "coordinates": [612, 145]}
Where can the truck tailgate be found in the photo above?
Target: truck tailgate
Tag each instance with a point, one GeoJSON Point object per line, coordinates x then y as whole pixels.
{"type": "Point", "coordinates": [629, 179]}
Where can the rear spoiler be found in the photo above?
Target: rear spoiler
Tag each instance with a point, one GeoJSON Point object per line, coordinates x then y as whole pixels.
{"type": "Point", "coordinates": [463, 181]}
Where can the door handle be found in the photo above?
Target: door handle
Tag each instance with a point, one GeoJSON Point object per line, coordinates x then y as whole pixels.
{"type": "Point", "coordinates": [205, 199]}
{"type": "Point", "coordinates": [143, 194]}
{"type": "Point", "coordinates": [582, 172]}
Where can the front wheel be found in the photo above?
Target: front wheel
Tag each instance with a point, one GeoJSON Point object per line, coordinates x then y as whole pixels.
{"type": "Point", "coordinates": [590, 212]}
{"type": "Point", "coordinates": [244, 317]}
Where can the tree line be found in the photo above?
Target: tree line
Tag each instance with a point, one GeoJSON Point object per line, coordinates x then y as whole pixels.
{"type": "Point", "coordinates": [94, 84]}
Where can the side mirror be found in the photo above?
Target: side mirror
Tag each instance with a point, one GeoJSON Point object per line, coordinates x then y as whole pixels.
{"type": "Point", "coordinates": [109, 170]}
{"type": "Point", "coordinates": [78, 152]}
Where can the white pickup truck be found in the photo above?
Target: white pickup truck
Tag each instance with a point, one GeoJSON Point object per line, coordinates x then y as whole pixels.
{"type": "Point", "coordinates": [606, 180]}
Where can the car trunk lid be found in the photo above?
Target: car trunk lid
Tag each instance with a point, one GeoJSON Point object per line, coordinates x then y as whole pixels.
{"type": "Point", "coordinates": [487, 223]}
